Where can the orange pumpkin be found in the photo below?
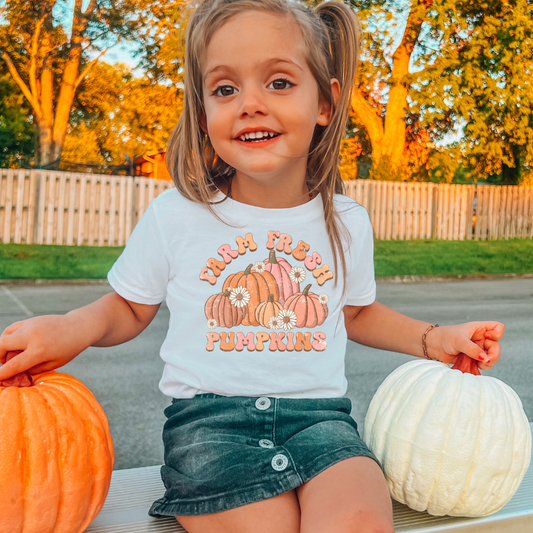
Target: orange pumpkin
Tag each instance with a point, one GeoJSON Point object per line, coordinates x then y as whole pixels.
{"type": "Point", "coordinates": [260, 285]}
{"type": "Point", "coordinates": [309, 311]}
{"type": "Point", "coordinates": [57, 455]}
{"type": "Point", "coordinates": [219, 307]}
{"type": "Point", "coordinates": [266, 310]}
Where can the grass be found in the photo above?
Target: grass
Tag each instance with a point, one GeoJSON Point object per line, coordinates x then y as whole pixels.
{"type": "Point", "coordinates": [392, 258]}
{"type": "Point", "coordinates": [445, 258]}
{"type": "Point", "coordinates": [41, 261]}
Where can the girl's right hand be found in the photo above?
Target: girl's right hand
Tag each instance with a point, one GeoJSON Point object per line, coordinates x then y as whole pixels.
{"type": "Point", "coordinates": [47, 342]}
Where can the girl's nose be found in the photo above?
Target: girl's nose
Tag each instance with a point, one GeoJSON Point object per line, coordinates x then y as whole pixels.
{"type": "Point", "coordinates": [252, 101]}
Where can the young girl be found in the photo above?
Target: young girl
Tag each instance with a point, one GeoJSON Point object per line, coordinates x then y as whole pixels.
{"type": "Point", "coordinates": [267, 270]}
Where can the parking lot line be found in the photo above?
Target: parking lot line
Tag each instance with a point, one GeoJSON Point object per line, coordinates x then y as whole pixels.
{"type": "Point", "coordinates": [26, 311]}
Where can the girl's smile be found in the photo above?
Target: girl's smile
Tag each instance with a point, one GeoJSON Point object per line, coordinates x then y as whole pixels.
{"type": "Point", "coordinates": [262, 106]}
{"type": "Point", "coordinates": [258, 140]}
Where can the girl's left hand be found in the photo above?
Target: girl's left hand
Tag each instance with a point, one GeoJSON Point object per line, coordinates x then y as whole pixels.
{"type": "Point", "coordinates": [478, 340]}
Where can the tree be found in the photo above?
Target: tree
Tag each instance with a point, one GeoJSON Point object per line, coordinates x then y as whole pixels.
{"type": "Point", "coordinates": [48, 59]}
{"type": "Point", "coordinates": [115, 113]}
{"type": "Point", "coordinates": [479, 73]}
{"type": "Point", "coordinates": [457, 63]}
{"type": "Point", "coordinates": [383, 81]}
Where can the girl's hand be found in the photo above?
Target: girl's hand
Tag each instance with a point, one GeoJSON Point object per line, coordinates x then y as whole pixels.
{"type": "Point", "coordinates": [478, 340]}
{"type": "Point", "coordinates": [46, 342]}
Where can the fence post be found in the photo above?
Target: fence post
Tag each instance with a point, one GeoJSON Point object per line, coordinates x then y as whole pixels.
{"type": "Point", "coordinates": [434, 212]}
{"type": "Point", "coordinates": [36, 220]}
{"type": "Point", "coordinates": [470, 211]}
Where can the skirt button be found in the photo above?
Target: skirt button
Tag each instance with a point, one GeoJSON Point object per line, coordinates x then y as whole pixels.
{"type": "Point", "coordinates": [279, 462]}
{"type": "Point", "coordinates": [262, 403]}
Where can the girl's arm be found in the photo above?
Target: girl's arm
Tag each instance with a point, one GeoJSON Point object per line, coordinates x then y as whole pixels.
{"type": "Point", "coordinates": [48, 342]}
{"type": "Point", "coordinates": [378, 326]}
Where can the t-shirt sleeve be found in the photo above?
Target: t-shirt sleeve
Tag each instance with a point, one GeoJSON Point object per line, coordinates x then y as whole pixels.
{"type": "Point", "coordinates": [360, 282]}
{"type": "Point", "coordinates": [142, 271]}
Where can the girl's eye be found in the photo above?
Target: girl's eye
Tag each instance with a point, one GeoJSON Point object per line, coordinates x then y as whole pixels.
{"type": "Point", "coordinates": [282, 81]}
{"type": "Point", "coordinates": [216, 91]}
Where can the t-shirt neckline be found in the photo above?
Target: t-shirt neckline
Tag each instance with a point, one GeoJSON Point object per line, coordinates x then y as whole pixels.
{"type": "Point", "coordinates": [229, 206]}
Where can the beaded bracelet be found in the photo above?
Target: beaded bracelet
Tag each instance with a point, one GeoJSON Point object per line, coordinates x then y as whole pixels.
{"type": "Point", "coordinates": [424, 347]}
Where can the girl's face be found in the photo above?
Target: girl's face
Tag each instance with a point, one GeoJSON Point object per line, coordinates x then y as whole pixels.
{"type": "Point", "coordinates": [256, 79]}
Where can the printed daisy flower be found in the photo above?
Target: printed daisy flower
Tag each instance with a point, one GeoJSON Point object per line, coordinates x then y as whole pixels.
{"type": "Point", "coordinates": [259, 266]}
{"type": "Point", "coordinates": [323, 298]}
{"type": "Point", "coordinates": [275, 322]}
{"type": "Point", "coordinates": [297, 274]}
{"type": "Point", "coordinates": [239, 296]}
{"type": "Point", "coordinates": [288, 319]}
{"type": "Point", "coordinates": [212, 323]}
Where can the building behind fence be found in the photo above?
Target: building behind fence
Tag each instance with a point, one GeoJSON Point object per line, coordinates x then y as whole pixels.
{"type": "Point", "coordinates": [54, 207]}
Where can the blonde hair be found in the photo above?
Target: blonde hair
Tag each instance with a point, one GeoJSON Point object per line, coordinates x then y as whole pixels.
{"type": "Point", "coordinates": [331, 33]}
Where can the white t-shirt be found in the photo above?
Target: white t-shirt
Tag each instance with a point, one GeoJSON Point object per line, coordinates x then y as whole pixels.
{"type": "Point", "coordinates": [253, 307]}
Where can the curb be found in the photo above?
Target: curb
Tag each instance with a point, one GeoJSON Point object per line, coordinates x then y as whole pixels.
{"type": "Point", "coordinates": [380, 280]}
{"type": "Point", "coordinates": [444, 279]}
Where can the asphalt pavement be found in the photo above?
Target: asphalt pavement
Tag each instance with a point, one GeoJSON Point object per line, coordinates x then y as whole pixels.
{"type": "Point", "coordinates": [125, 378]}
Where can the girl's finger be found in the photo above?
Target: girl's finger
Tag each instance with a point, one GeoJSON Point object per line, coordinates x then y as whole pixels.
{"type": "Point", "coordinates": [14, 366]}
{"type": "Point", "coordinates": [10, 329]}
{"type": "Point", "coordinates": [470, 348]}
{"type": "Point", "coordinates": [493, 350]}
{"type": "Point", "coordinates": [495, 331]}
{"type": "Point", "coordinates": [43, 367]}
{"type": "Point", "coordinates": [9, 343]}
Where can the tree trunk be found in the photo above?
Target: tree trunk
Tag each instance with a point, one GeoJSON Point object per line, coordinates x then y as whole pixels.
{"type": "Point", "coordinates": [52, 121]}
{"type": "Point", "coordinates": [388, 136]}
{"type": "Point", "coordinates": [46, 97]}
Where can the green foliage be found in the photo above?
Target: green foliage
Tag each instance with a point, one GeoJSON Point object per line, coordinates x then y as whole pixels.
{"type": "Point", "coordinates": [477, 71]}
{"type": "Point", "coordinates": [384, 171]}
{"type": "Point", "coordinates": [16, 130]}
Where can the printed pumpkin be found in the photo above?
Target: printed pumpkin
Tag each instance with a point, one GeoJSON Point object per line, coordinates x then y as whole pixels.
{"type": "Point", "coordinates": [218, 307]}
{"type": "Point", "coordinates": [450, 442]}
{"type": "Point", "coordinates": [57, 455]}
{"type": "Point", "coordinates": [281, 270]}
{"type": "Point", "coordinates": [260, 285]}
{"type": "Point", "coordinates": [266, 310]}
{"type": "Point", "coordinates": [308, 309]}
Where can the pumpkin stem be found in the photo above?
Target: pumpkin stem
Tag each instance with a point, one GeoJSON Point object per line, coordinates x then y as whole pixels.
{"type": "Point", "coordinates": [227, 293]}
{"type": "Point", "coordinates": [271, 298]}
{"type": "Point", "coordinates": [272, 258]}
{"type": "Point", "coordinates": [248, 269]}
{"type": "Point", "coordinates": [467, 365]}
{"type": "Point", "coordinates": [19, 380]}
{"type": "Point", "coordinates": [306, 290]}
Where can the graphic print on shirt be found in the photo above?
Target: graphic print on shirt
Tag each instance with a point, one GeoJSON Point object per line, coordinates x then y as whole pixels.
{"type": "Point", "coordinates": [267, 295]}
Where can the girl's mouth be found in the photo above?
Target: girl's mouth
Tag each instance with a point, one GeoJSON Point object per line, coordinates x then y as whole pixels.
{"type": "Point", "coordinates": [259, 142]}
{"type": "Point", "coordinates": [257, 136]}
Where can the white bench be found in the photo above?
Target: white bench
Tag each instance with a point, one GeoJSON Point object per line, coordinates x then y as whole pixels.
{"type": "Point", "coordinates": [133, 491]}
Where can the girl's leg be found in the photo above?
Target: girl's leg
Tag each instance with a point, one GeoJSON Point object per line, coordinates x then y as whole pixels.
{"type": "Point", "coordinates": [349, 497]}
{"type": "Point", "coordinates": [280, 514]}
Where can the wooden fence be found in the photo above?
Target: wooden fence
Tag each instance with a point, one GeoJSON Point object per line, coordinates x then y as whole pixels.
{"type": "Point", "coordinates": [53, 207]}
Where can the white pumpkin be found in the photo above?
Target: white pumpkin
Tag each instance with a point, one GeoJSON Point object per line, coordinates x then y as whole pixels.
{"type": "Point", "coordinates": [450, 443]}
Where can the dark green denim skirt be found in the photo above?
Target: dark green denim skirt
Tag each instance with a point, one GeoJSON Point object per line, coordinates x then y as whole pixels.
{"type": "Point", "coordinates": [223, 452]}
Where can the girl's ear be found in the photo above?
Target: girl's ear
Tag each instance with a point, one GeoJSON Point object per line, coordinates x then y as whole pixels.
{"type": "Point", "coordinates": [324, 117]}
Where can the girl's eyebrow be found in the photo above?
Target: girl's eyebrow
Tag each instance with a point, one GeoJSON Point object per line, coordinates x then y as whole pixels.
{"type": "Point", "coordinates": [267, 63]}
